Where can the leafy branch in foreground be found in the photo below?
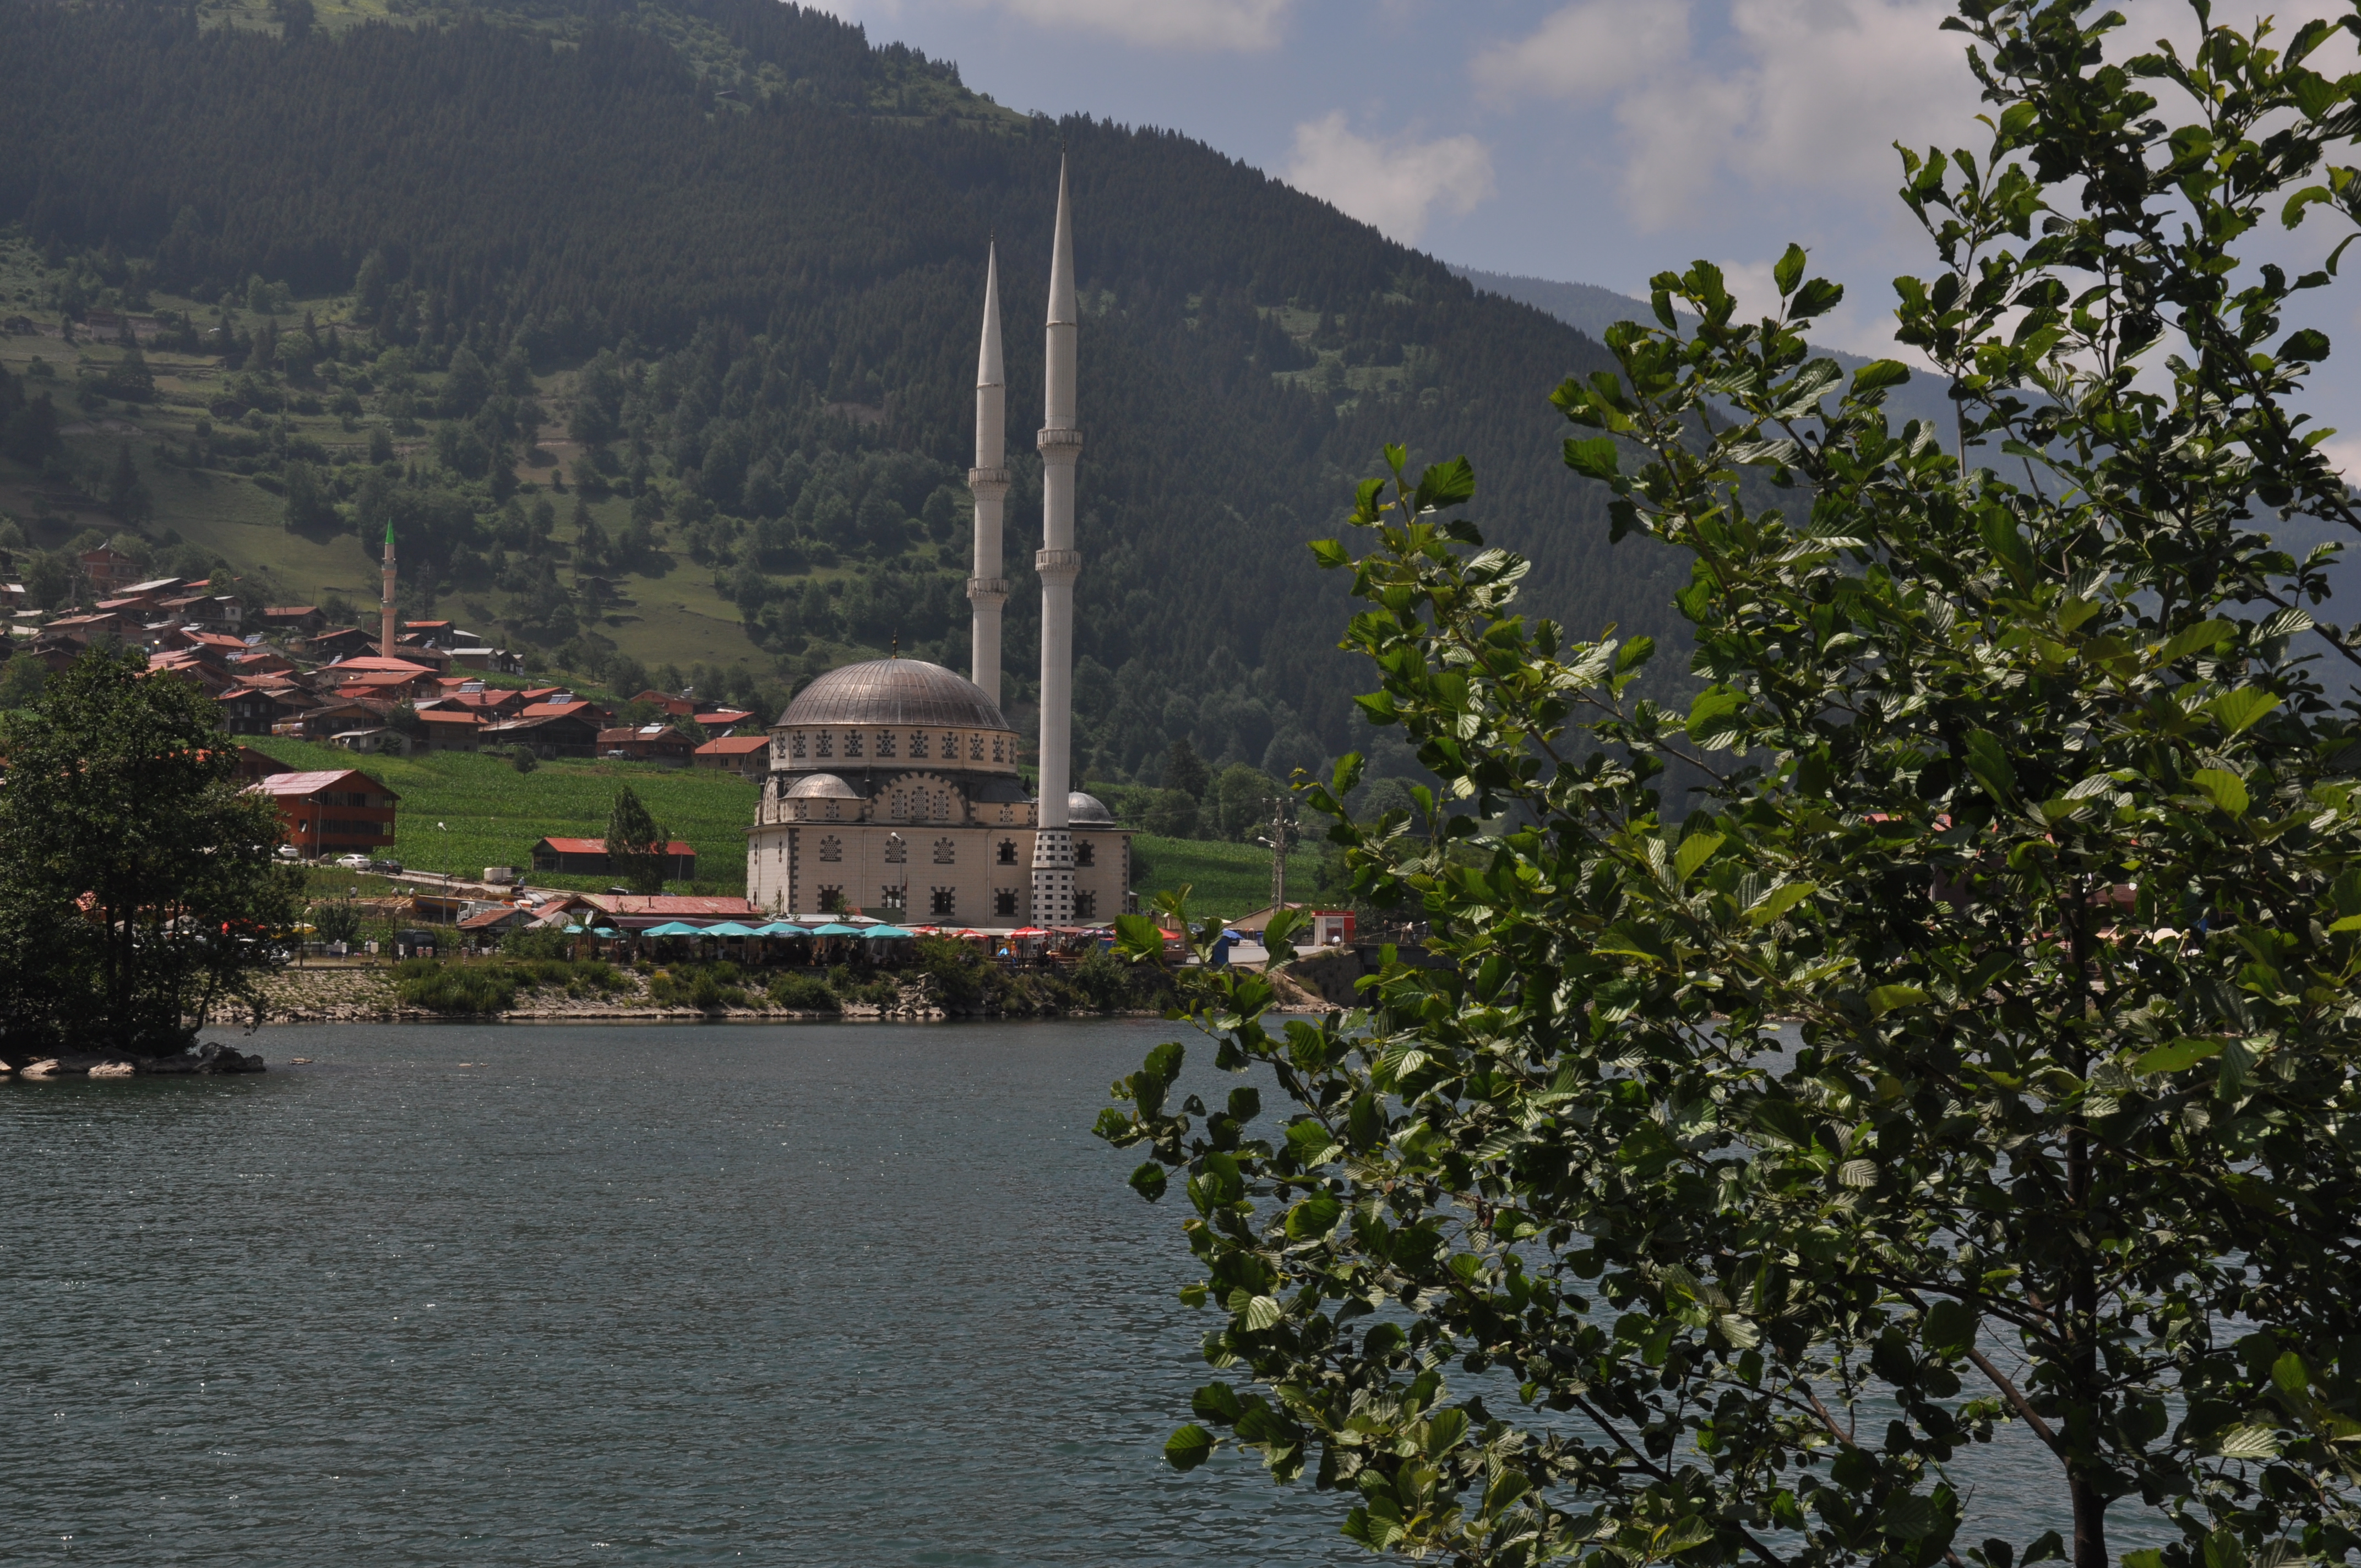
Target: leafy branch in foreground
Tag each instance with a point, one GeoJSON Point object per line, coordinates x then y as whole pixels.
{"type": "Point", "coordinates": [1979, 1050]}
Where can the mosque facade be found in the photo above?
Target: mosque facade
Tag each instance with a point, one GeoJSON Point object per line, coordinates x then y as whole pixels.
{"type": "Point", "coordinates": [894, 782]}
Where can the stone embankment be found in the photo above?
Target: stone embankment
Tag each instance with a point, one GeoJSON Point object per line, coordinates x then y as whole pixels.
{"type": "Point", "coordinates": [368, 997]}
{"type": "Point", "coordinates": [207, 1061]}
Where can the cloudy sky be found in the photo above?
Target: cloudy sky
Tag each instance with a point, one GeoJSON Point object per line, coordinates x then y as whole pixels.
{"type": "Point", "coordinates": [1590, 140]}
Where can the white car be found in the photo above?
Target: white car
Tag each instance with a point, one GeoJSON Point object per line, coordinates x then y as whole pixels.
{"type": "Point", "coordinates": [352, 863]}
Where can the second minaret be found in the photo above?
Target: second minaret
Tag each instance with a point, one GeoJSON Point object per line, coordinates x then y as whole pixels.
{"type": "Point", "coordinates": [988, 483]}
{"type": "Point", "coordinates": [1059, 564]}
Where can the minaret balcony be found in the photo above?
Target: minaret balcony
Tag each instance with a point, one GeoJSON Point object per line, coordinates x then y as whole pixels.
{"type": "Point", "coordinates": [1053, 563]}
{"type": "Point", "coordinates": [1061, 438]}
{"type": "Point", "coordinates": [988, 478]}
{"type": "Point", "coordinates": [992, 590]}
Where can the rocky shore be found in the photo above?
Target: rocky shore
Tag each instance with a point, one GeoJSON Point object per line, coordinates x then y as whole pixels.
{"type": "Point", "coordinates": [208, 1060]}
{"type": "Point", "coordinates": [368, 997]}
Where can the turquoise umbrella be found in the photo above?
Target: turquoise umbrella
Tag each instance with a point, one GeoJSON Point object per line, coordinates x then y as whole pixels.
{"type": "Point", "coordinates": [729, 928]}
{"type": "Point", "coordinates": [834, 929]}
{"type": "Point", "coordinates": [782, 928]}
{"type": "Point", "coordinates": [670, 929]}
{"type": "Point", "coordinates": [878, 932]}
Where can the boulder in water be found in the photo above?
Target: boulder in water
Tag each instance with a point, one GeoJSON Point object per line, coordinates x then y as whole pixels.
{"type": "Point", "coordinates": [112, 1069]}
{"type": "Point", "coordinates": [45, 1067]}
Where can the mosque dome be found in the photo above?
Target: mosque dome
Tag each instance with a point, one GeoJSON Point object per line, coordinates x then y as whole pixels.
{"type": "Point", "coordinates": [1087, 811]}
{"type": "Point", "coordinates": [819, 786]}
{"type": "Point", "coordinates": [893, 690]}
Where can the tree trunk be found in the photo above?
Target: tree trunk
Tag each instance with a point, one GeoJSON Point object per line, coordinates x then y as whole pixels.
{"type": "Point", "coordinates": [2090, 1522]}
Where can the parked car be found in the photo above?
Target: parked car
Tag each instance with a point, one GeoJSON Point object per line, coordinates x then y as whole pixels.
{"type": "Point", "coordinates": [386, 868]}
{"type": "Point", "coordinates": [352, 863]}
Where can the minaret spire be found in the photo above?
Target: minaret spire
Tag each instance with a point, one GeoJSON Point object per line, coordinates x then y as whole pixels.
{"type": "Point", "coordinates": [386, 639]}
{"type": "Point", "coordinates": [1059, 564]}
{"type": "Point", "coordinates": [988, 483]}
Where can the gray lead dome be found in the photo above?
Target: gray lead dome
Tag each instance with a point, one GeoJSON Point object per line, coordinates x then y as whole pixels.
{"type": "Point", "coordinates": [1087, 810]}
{"type": "Point", "coordinates": [893, 690]}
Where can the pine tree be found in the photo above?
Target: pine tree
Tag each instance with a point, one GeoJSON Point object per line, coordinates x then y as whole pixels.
{"type": "Point", "coordinates": [635, 843]}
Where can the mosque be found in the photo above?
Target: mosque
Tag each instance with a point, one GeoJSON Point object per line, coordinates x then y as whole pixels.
{"type": "Point", "coordinates": [894, 783]}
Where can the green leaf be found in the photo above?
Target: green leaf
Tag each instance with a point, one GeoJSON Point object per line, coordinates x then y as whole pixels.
{"type": "Point", "coordinates": [2189, 639]}
{"type": "Point", "coordinates": [1878, 375]}
{"type": "Point", "coordinates": [1314, 1217]}
{"type": "Point", "coordinates": [2290, 1374]}
{"type": "Point", "coordinates": [2226, 790]}
{"type": "Point", "coordinates": [2248, 1442]}
{"type": "Point", "coordinates": [1215, 1402]}
{"type": "Point", "coordinates": [1987, 760]}
{"type": "Point", "coordinates": [1150, 1180]}
{"type": "Point", "coordinates": [1593, 458]}
{"type": "Point", "coordinates": [1263, 1312]}
{"type": "Point", "coordinates": [1911, 1516]}
{"type": "Point", "coordinates": [1789, 270]}
{"type": "Point", "coordinates": [1950, 1328]}
{"type": "Point", "coordinates": [1886, 998]}
{"type": "Point", "coordinates": [1330, 553]}
{"type": "Point", "coordinates": [1695, 850]}
{"type": "Point", "coordinates": [1711, 712]}
{"type": "Point", "coordinates": [1779, 900]}
{"type": "Point", "coordinates": [1138, 937]}
{"type": "Point", "coordinates": [2176, 1057]}
{"type": "Point", "coordinates": [2240, 710]}
{"type": "Point", "coordinates": [1444, 485]}
{"type": "Point", "coordinates": [1189, 1447]}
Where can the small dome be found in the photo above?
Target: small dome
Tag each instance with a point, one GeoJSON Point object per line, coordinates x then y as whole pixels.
{"type": "Point", "coordinates": [819, 786]}
{"type": "Point", "coordinates": [893, 690]}
{"type": "Point", "coordinates": [1088, 811]}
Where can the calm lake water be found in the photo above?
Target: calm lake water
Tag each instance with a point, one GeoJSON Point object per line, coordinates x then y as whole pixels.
{"type": "Point", "coordinates": [815, 1294]}
{"type": "Point", "coordinates": [820, 1294]}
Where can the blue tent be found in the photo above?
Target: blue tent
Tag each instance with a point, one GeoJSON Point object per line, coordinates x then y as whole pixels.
{"type": "Point", "coordinates": [876, 932]}
{"type": "Point", "coordinates": [729, 928]}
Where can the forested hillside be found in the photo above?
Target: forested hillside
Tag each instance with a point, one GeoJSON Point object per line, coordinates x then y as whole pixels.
{"type": "Point", "coordinates": [734, 254]}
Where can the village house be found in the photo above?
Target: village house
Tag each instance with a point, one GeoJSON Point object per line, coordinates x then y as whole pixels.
{"type": "Point", "coordinates": [331, 811]}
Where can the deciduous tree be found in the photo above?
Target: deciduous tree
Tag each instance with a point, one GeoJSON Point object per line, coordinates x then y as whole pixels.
{"type": "Point", "coordinates": [1978, 1048]}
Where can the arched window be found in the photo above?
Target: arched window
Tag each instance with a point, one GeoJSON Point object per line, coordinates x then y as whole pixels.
{"type": "Point", "coordinates": [1086, 853]}
{"type": "Point", "coordinates": [827, 744]}
{"type": "Point", "coordinates": [796, 744]}
{"type": "Point", "coordinates": [852, 743]}
{"type": "Point", "coordinates": [832, 849]}
{"type": "Point", "coordinates": [885, 742]}
{"type": "Point", "coordinates": [918, 744]}
{"type": "Point", "coordinates": [1006, 854]}
{"type": "Point", "coordinates": [946, 852]}
{"type": "Point", "coordinates": [975, 747]}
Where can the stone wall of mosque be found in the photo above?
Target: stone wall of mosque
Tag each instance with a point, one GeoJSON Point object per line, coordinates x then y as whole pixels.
{"type": "Point", "coordinates": [831, 748]}
{"type": "Point", "coordinates": [946, 873]}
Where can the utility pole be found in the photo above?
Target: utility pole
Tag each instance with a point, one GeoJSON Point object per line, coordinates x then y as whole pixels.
{"type": "Point", "coordinates": [1281, 835]}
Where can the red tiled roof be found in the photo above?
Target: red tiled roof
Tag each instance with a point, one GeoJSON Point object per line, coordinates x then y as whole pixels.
{"type": "Point", "coordinates": [310, 783]}
{"type": "Point", "coordinates": [444, 716]}
{"type": "Point", "coordinates": [598, 846]}
{"type": "Point", "coordinates": [734, 746]}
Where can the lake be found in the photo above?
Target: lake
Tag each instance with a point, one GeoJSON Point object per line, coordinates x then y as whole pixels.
{"type": "Point", "coordinates": [812, 1294]}
{"type": "Point", "coordinates": [820, 1293]}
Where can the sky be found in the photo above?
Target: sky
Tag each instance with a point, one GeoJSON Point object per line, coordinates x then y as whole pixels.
{"type": "Point", "coordinates": [1595, 141]}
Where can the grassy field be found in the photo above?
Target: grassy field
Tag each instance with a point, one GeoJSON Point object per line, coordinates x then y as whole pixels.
{"type": "Point", "coordinates": [1223, 879]}
{"type": "Point", "coordinates": [491, 814]}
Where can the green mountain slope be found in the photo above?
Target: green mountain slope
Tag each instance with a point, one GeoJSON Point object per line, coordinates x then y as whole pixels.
{"type": "Point", "coordinates": [736, 254]}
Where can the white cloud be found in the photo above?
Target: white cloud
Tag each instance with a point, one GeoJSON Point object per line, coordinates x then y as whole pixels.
{"type": "Point", "coordinates": [1590, 49]}
{"type": "Point", "coordinates": [1393, 184]}
{"type": "Point", "coordinates": [1240, 24]}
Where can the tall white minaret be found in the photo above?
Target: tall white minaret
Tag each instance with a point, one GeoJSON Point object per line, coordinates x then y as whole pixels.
{"type": "Point", "coordinates": [1059, 564]}
{"type": "Point", "coordinates": [386, 639]}
{"type": "Point", "coordinates": [988, 483]}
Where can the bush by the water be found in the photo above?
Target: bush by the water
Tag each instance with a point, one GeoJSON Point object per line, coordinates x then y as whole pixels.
{"type": "Point", "coordinates": [706, 986]}
{"type": "Point", "coordinates": [443, 985]}
{"type": "Point", "coordinates": [802, 992]}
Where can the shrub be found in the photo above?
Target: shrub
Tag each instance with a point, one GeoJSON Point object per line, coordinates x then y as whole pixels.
{"type": "Point", "coordinates": [802, 992]}
{"type": "Point", "coordinates": [452, 988]}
